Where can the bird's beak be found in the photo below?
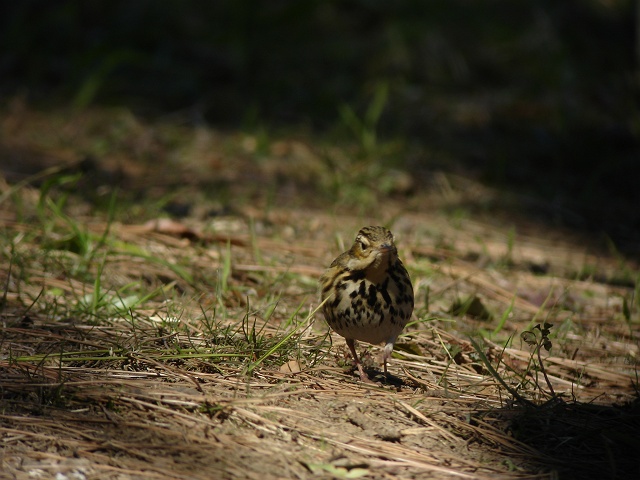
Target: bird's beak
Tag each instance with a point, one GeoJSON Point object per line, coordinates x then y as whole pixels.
{"type": "Point", "coordinates": [385, 248]}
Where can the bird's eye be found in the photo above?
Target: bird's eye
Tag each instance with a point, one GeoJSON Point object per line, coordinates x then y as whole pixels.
{"type": "Point", "coordinates": [363, 245]}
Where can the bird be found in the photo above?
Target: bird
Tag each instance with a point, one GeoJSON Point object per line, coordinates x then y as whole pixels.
{"type": "Point", "coordinates": [367, 293]}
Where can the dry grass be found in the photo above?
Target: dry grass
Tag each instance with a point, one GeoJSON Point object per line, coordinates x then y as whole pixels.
{"type": "Point", "coordinates": [190, 349]}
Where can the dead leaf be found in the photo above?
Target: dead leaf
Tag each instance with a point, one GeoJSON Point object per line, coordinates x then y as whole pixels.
{"type": "Point", "coordinates": [292, 366]}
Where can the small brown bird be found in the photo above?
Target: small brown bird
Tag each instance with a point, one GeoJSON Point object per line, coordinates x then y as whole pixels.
{"type": "Point", "coordinates": [368, 292]}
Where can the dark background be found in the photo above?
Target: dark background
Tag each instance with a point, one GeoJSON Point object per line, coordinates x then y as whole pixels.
{"type": "Point", "coordinates": [539, 98]}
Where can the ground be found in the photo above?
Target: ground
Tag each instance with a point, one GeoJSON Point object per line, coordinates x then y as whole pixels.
{"type": "Point", "coordinates": [169, 330]}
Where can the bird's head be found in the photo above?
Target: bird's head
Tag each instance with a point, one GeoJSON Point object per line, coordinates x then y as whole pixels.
{"type": "Point", "coordinates": [373, 248]}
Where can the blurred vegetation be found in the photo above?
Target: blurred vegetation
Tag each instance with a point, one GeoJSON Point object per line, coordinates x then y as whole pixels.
{"type": "Point", "coordinates": [537, 97]}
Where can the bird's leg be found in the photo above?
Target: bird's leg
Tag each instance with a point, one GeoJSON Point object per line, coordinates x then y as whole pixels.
{"type": "Point", "coordinates": [352, 347]}
{"type": "Point", "coordinates": [388, 348]}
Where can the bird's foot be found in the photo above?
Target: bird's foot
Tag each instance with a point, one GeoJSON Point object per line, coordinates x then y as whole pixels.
{"type": "Point", "coordinates": [363, 376]}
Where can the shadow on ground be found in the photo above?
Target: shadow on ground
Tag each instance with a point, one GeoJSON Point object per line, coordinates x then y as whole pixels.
{"type": "Point", "coordinates": [577, 440]}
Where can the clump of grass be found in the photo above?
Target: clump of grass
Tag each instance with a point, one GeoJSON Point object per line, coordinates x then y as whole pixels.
{"type": "Point", "coordinates": [364, 128]}
{"type": "Point", "coordinates": [95, 289]}
{"type": "Point", "coordinates": [538, 338]}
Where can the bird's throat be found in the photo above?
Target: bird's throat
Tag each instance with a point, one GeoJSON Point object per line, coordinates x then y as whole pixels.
{"type": "Point", "coordinates": [377, 271]}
